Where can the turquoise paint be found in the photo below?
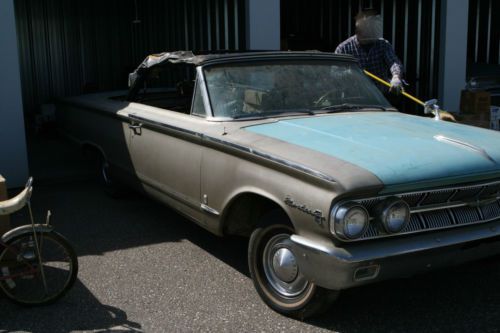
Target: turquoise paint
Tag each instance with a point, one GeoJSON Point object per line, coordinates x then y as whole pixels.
{"type": "Point", "coordinates": [399, 149]}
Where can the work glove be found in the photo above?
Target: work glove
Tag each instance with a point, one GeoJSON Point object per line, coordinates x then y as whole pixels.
{"type": "Point", "coordinates": [396, 85]}
{"type": "Point", "coordinates": [446, 116]}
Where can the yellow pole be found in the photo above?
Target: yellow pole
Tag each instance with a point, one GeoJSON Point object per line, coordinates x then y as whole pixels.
{"type": "Point", "coordinates": [443, 114]}
{"type": "Point", "coordinates": [375, 77]}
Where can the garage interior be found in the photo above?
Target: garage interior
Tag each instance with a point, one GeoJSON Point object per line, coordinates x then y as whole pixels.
{"type": "Point", "coordinates": [69, 48]}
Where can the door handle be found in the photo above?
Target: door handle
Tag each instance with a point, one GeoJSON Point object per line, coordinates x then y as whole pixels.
{"type": "Point", "coordinates": [136, 128]}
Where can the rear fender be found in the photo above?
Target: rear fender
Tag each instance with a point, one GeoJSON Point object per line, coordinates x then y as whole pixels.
{"type": "Point", "coordinates": [25, 229]}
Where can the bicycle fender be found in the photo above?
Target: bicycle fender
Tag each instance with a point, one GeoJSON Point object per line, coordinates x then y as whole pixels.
{"type": "Point", "coordinates": [25, 229]}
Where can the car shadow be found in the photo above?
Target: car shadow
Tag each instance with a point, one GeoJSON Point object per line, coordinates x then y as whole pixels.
{"type": "Point", "coordinates": [96, 223]}
{"type": "Point", "coordinates": [69, 314]}
{"type": "Point", "coordinates": [463, 298]}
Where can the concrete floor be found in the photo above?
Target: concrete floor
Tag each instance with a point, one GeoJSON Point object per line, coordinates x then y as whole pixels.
{"type": "Point", "coordinates": [145, 268]}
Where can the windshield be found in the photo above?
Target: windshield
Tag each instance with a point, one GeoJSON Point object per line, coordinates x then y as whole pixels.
{"type": "Point", "coordinates": [283, 87]}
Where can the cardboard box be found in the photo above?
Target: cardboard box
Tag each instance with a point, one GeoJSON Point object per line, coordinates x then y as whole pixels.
{"type": "Point", "coordinates": [495, 118]}
{"type": "Point", "coordinates": [475, 102]}
{"type": "Point", "coordinates": [473, 120]}
{"type": "Point", "coordinates": [4, 219]}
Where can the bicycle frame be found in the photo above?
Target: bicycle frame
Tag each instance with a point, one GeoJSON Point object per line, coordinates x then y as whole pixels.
{"type": "Point", "coordinates": [12, 205]}
{"type": "Point", "coordinates": [24, 273]}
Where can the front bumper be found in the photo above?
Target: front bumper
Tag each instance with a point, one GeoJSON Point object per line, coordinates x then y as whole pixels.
{"type": "Point", "coordinates": [358, 263]}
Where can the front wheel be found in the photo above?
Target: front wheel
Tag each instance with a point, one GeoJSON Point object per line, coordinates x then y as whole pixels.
{"type": "Point", "coordinates": [277, 277]}
{"type": "Point", "coordinates": [25, 281]}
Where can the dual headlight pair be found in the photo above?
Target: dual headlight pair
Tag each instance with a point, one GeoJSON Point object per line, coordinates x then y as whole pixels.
{"type": "Point", "coordinates": [349, 220]}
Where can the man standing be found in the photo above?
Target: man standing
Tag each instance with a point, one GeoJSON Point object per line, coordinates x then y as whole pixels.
{"type": "Point", "coordinates": [374, 53]}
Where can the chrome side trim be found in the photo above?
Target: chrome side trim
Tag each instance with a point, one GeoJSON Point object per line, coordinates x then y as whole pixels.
{"type": "Point", "coordinates": [162, 126]}
{"type": "Point", "coordinates": [275, 159]}
{"type": "Point", "coordinates": [209, 210]}
{"type": "Point", "coordinates": [170, 128]}
{"type": "Point", "coordinates": [169, 192]}
{"type": "Point", "coordinates": [469, 186]}
{"type": "Point", "coordinates": [456, 142]}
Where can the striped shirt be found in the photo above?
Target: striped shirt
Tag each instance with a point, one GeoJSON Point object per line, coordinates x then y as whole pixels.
{"type": "Point", "coordinates": [379, 60]}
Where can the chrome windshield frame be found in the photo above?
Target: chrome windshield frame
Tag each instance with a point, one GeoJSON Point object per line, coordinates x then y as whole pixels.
{"type": "Point", "coordinates": [248, 60]}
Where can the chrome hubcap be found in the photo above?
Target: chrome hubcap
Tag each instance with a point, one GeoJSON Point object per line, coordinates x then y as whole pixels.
{"type": "Point", "coordinates": [281, 269]}
{"type": "Point", "coordinates": [285, 265]}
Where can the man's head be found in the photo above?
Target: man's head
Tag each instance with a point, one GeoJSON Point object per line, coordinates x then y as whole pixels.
{"type": "Point", "coordinates": [368, 26]}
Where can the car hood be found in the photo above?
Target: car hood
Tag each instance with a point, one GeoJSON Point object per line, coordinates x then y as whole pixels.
{"type": "Point", "coordinates": [397, 148]}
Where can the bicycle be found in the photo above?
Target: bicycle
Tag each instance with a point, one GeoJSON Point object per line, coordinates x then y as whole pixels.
{"type": "Point", "coordinates": [37, 264]}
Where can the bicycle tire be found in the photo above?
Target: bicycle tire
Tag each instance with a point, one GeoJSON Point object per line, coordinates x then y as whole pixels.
{"type": "Point", "coordinates": [20, 277]}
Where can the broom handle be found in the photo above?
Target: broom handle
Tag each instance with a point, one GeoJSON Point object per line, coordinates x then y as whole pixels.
{"type": "Point", "coordinates": [375, 77]}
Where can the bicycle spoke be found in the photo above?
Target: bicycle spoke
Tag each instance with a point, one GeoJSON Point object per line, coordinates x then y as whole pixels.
{"type": "Point", "coordinates": [29, 276]}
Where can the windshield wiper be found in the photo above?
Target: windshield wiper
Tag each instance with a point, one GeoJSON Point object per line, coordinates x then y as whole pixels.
{"type": "Point", "coordinates": [350, 107]}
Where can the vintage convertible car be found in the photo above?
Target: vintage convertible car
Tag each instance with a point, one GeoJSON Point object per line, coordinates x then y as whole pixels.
{"type": "Point", "coordinates": [302, 153]}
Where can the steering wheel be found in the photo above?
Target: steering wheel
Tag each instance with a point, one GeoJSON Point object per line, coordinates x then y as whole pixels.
{"type": "Point", "coordinates": [324, 98]}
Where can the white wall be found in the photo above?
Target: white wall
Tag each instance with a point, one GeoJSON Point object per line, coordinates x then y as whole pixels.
{"type": "Point", "coordinates": [263, 24]}
{"type": "Point", "coordinates": [453, 52]}
{"type": "Point", "coordinates": [13, 157]}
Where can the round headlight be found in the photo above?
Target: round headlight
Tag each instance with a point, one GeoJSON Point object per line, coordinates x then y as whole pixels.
{"type": "Point", "coordinates": [394, 215]}
{"type": "Point", "coordinates": [350, 220]}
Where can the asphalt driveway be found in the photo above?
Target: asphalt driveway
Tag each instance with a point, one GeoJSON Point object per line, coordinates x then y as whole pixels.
{"type": "Point", "coordinates": [145, 268]}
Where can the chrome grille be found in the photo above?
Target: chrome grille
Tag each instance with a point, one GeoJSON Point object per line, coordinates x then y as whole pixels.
{"type": "Point", "coordinates": [465, 193]}
{"type": "Point", "coordinates": [414, 225]}
{"type": "Point", "coordinates": [442, 208]}
{"type": "Point", "coordinates": [490, 190]}
{"type": "Point", "coordinates": [370, 204]}
{"type": "Point", "coordinates": [412, 199]}
{"type": "Point", "coordinates": [437, 197]}
{"type": "Point", "coordinates": [491, 211]}
{"type": "Point", "coordinates": [437, 219]}
{"type": "Point", "coordinates": [466, 215]}
{"type": "Point", "coordinates": [372, 231]}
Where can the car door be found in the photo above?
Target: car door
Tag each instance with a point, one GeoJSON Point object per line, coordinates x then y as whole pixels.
{"type": "Point", "coordinates": [166, 154]}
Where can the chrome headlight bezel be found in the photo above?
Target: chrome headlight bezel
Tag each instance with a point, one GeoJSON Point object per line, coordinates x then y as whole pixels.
{"type": "Point", "coordinates": [384, 212]}
{"type": "Point", "coordinates": [338, 225]}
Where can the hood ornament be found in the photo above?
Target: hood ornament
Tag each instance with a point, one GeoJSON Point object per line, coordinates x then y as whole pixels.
{"type": "Point", "coordinates": [431, 107]}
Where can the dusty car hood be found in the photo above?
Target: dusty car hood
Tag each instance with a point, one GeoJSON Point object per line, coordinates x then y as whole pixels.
{"type": "Point", "coordinates": [397, 148]}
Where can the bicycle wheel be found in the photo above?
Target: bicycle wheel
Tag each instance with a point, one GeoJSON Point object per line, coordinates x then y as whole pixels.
{"type": "Point", "coordinates": [24, 281]}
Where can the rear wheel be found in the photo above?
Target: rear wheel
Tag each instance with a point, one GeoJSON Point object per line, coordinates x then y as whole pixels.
{"type": "Point", "coordinates": [104, 172]}
{"type": "Point", "coordinates": [25, 281]}
{"type": "Point", "coordinates": [111, 185]}
{"type": "Point", "coordinates": [278, 278]}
